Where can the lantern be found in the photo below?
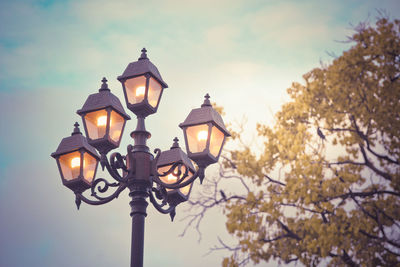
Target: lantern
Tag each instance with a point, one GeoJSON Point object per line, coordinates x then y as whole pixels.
{"type": "Point", "coordinates": [77, 161]}
{"type": "Point", "coordinates": [142, 85]}
{"type": "Point", "coordinates": [104, 119]}
{"type": "Point", "coordinates": [165, 162]}
{"type": "Point", "coordinates": [205, 134]}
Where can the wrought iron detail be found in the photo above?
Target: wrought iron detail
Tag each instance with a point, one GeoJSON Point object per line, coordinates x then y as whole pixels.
{"type": "Point", "coordinates": [117, 161]}
{"type": "Point", "coordinates": [176, 170]}
{"type": "Point", "coordinates": [102, 188]}
{"type": "Point", "coordinates": [160, 207]}
{"type": "Point", "coordinates": [80, 197]}
{"type": "Point", "coordinates": [137, 169]}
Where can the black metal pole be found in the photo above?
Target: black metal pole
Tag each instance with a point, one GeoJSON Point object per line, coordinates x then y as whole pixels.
{"type": "Point", "coordinates": [139, 184]}
{"type": "Point", "coordinates": [138, 204]}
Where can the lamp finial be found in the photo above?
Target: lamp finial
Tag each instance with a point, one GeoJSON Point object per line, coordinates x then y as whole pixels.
{"type": "Point", "coordinates": [175, 144]}
{"type": "Point", "coordinates": [76, 129]}
{"type": "Point", "coordinates": [143, 55]}
{"type": "Point", "coordinates": [104, 85]}
{"type": "Point", "coordinates": [207, 102]}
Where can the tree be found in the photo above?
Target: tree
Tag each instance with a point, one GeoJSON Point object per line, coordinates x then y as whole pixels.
{"type": "Point", "coordinates": [326, 186]}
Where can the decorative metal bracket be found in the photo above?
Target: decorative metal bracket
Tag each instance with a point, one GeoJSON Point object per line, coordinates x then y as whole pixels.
{"type": "Point", "coordinates": [101, 185]}
{"type": "Point", "coordinates": [175, 169]}
{"type": "Point", "coordinates": [159, 207]}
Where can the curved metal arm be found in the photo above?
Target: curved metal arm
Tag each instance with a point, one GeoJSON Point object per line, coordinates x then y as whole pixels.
{"type": "Point", "coordinates": [179, 184]}
{"type": "Point", "coordinates": [119, 164]}
{"type": "Point", "coordinates": [176, 170]}
{"type": "Point", "coordinates": [116, 193]}
{"type": "Point", "coordinates": [112, 169]}
{"type": "Point", "coordinates": [159, 207]}
{"type": "Point", "coordinates": [101, 189]}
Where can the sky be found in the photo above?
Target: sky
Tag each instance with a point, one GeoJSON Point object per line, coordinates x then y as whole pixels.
{"type": "Point", "coordinates": [53, 54]}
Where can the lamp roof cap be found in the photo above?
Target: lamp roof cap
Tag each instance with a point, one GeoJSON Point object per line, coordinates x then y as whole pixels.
{"type": "Point", "coordinates": [73, 143]}
{"type": "Point", "coordinates": [101, 100]}
{"type": "Point", "coordinates": [175, 154]}
{"type": "Point", "coordinates": [205, 114]}
{"type": "Point", "coordinates": [140, 67]}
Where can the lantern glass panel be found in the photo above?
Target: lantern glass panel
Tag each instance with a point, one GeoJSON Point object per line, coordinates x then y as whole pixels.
{"type": "Point", "coordinates": [70, 165]}
{"type": "Point", "coordinates": [168, 179]}
{"type": "Point", "coordinates": [185, 190]}
{"type": "Point", "coordinates": [116, 124]}
{"type": "Point", "coordinates": [96, 124]}
{"type": "Point", "coordinates": [216, 139]}
{"type": "Point", "coordinates": [154, 92]}
{"type": "Point", "coordinates": [197, 137]}
{"type": "Point", "coordinates": [89, 167]}
{"type": "Point", "coordinates": [172, 178]}
{"type": "Point", "coordinates": [135, 89]}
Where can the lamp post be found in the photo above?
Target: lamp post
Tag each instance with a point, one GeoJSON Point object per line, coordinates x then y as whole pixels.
{"type": "Point", "coordinates": [166, 178]}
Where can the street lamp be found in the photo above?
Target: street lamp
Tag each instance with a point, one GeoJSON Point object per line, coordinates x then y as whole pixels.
{"type": "Point", "coordinates": [143, 86]}
{"type": "Point", "coordinates": [77, 161]}
{"type": "Point", "coordinates": [170, 175]}
{"type": "Point", "coordinates": [205, 134]}
{"type": "Point", "coordinates": [104, 119]}
{"type": "Point", "coordinates": [166, 178]}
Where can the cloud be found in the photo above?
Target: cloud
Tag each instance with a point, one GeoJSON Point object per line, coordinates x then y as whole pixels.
{"type": "Point", "coordinates": [221, 37]}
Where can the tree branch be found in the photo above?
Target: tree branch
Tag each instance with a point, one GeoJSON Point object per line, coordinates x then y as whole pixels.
{"type": "Point", "coordinates": [371, 166]}
{"type": "Point", "coordinates": [292, 234]}
{"type": "Point", "coordinates": [365, 138]}
{"type": "Point", "coordinates": [347, 259]}
{"type": "Point", "coordinates": [346, 162]}
{"type": "Point", "coordinates": [275, 238]}
{"type": "Point", "coordinates": [274, 181]}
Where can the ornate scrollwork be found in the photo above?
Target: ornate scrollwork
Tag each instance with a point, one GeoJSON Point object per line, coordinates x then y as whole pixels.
{"type": "Point", "coordinates": [158, 195]}
{"type": "Point", "coordinates": [100, 200]}
{"type": "Point", "coordinates": [117, 161]}
{"type": "Point", "coordinates": [161, 194]}
{"type": "Point", "coordinates": [176, 170]}
{"type": "Point", "coordinates": [157, 151]}
{"type": "Point", "coordinates": [102, 188]}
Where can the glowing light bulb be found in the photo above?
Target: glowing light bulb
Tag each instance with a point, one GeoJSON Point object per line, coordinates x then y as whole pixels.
{"type": "Point", "coordinates": [171, 178]}
{"type": "Point", "coordinates": [75, 162]}
{"type": "Point", "coordinates": [102, 121]}
{"type": "Point", "coordinates": [202, 135]}
{"type": "Point", "coordinates": [140, 91]}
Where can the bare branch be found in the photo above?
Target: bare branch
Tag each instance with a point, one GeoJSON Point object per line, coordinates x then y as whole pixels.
{"type": "Point", "coordinates": [363, 194]}
{"type": "Point", "coordinates": [225, 246]}
{"type": "Point", "coordinates": [195, 218]}
{"type": "Point", "coordinates": [222, 174]}
{"type": "Point", "coordinates": [290, 260]}
{"type": "Point", "coordinates": [392, 252]}
{"type": "Point", "coordinates": [346, 162]}
{"type": "Point", "coordinates": [274, 181]}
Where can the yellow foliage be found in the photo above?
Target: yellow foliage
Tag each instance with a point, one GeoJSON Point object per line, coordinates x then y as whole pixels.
{"type": "Point", "coordinates": [322, 206]}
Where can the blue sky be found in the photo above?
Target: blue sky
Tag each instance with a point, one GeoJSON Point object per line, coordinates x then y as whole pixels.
{"type": "Point", "coordinates": [53, 54]}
